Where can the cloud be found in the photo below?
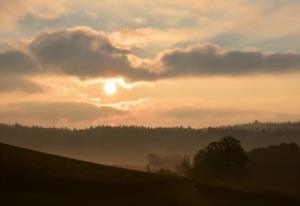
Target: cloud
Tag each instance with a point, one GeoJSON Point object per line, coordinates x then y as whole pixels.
{"type": "Point", "coordinates": [211, 60]}
{"type": "Point", "coordinates": [52, 112]}
{"type": "Point", "coordinates": [14, 67]}
{"type": "Point", "coordinates": [85, 53]}
{"type": "Point", "coordinates": [19, 84]}
{"type": "Point", "coordinates": [274, 19]}
{"type": "Point", "coordinates": [13, 11]}
{"type": "Point", "coordinates": [198, 116]}
{"type": "Point", "coordinates": [89, 54]}
{"type": "Point", "coordinates": [147, 42]}
{"type": "Point", "coordinates": [80, 52]}
{"type": "Point", "coordinates": [16, 62]}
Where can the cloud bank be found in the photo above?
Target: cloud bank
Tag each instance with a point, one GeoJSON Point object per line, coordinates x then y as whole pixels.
{"type": "Point", "coordinates": [210, 60]}
{"type": "Point", "coordinates": [86, 53]}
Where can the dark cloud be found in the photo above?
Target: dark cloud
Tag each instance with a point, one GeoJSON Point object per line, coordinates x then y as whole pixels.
{"type": "Point", "coordinates": [211, 60]}
{"type": "Point", "coordinates": [84, 53]}
{"type": "Point", "coordinates": [55, 111]}
{"type": "Point", "coordinates": [14, 67]}
{"type": "Point", "coordinates": [17, 63]}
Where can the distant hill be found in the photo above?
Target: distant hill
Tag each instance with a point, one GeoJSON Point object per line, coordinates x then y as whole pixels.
{"type": "Point", "coordinates": [130, 145]}
{"type": "Point", "coordinates": [34, 178]}
{"type": "Point", "coordinates": [257, 126]}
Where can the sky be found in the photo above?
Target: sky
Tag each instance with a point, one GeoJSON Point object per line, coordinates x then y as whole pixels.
{"type": "Point", "coordinates": [198, 63]}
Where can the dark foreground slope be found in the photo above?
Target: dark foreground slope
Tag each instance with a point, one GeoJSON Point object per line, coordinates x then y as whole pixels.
{"type": "Point", "coordinates": [34, 178]}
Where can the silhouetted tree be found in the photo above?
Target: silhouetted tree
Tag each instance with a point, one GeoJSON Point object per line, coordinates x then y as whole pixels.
{"type": "Point", "coordinates": [225, 159]}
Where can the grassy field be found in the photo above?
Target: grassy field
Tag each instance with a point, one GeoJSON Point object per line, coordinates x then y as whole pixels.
{"type": "Point", "coordinates": [34, 178]}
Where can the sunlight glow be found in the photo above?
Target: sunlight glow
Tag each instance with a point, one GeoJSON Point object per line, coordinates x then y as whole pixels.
{"type": "Point", "coordinates": [110, 87]}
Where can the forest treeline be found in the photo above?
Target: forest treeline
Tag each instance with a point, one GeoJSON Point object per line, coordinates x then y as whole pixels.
{"type": "Point", "coordinates": [130, 145]}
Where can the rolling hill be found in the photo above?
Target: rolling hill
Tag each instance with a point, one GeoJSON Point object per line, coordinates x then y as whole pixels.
{"type": "Point", "coordinates": [34, 178]}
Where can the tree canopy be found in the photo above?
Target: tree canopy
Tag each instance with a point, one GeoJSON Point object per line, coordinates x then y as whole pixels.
{"type": "Point", "coordinates": [221, 159]}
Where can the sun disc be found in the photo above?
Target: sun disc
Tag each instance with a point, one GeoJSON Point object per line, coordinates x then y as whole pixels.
{"type": "Point", "coordinates": [110, 88]}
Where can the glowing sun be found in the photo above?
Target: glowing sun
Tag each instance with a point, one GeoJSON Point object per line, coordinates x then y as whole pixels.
{"type": "Point", "coordinates": [110, 87]}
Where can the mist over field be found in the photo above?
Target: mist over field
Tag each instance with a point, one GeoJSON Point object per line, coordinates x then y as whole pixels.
{"type": "Point", "coordinates": [131, 145]}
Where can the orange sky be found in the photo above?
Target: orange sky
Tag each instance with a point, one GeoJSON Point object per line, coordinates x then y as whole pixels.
{"type": "Point", "coordinates": [191, 63]}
